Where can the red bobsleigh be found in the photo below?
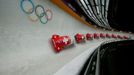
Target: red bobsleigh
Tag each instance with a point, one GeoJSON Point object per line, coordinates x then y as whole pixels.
{"type": "Point", "coordinates": [60, 42]}
{"type": "Point", "coordinates": [89, 36]}
{"type": "Point", "coordinates": [102, 35]}
{"type": "Point", "coordinates": [79, 38]}
{"type": "Point", "coordinates": [96, 35]}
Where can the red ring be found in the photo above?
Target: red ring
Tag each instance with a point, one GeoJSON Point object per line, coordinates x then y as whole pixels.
{"type": "Point", "coordinates": [49, 10]}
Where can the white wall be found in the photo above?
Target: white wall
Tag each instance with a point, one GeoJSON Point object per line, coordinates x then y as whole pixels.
{"type": "Point", "coordinates": [25, 47]}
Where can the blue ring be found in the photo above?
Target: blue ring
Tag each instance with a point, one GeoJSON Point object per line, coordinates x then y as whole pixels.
{"type": "Point", "coordinates": [22, 8]}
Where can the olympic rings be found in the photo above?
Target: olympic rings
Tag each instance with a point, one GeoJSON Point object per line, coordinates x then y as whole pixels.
{"type": "Point", "coordinates": [27, 12]}
{"type": "Point", "coordinates": [43, 16]}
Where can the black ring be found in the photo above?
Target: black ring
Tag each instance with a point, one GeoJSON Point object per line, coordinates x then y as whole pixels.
{"type": "Point", "coordinates": [42, 14]}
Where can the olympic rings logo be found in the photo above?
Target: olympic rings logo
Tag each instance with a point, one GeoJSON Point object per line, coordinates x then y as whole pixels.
{"type": "Point", "coordinates": [43, 16]}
